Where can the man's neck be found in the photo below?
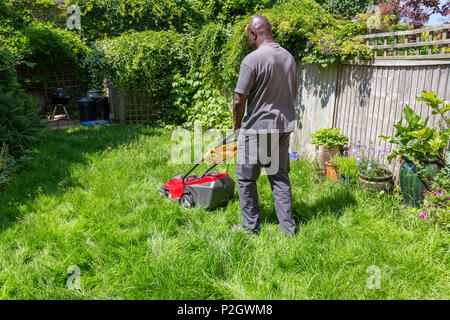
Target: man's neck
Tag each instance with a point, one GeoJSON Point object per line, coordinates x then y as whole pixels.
{"type": "Point", "coordinates": [265, 42]}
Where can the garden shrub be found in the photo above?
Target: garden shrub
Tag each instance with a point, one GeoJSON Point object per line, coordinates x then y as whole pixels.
{"type": "Point", "coordinates": [211, 108]}
{"type": "Point", "coordinates": [19, 122]}
{"type": "Point", "coordinates": [196, 95]}
{"type": "Point", "coordinates": [337, 43]}
{"type": "Point", "coordinates": [417, 141]}
{"type": "Point", "coordinates": [209, 39]}
{"type": "Point", "coordinates": [225, 11]}
{"type": "Point", "coordinates": [12, 39]}
{"type": "Point", "coordinates": [442, 179]}
{"type": "Point", "coordinates": [183, 92]}
{"type": "Point", "coordinates": [19, 13]}
{"type": "Point", "coordinates": [195, 99]}
{"type": "Point", "coordinates": [110, 18]}
{"type": "Point", "coordinates": [346, 8]}
{"type": "Point", "coordinates": [54, 51]}
{"type": "Point", "coordinates": [158, 63]}
{"type": "Point", "coordinates": [142, 62]}
{"type": "Point", "coordinates": [436, 206]}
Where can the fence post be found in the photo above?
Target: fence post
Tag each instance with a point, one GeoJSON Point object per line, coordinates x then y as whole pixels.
{"type": "Point", "coordinates": [122, 106]}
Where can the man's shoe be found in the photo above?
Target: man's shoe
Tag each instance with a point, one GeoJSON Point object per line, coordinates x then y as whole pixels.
{"type": "Point", "coordinates": [249, 232]}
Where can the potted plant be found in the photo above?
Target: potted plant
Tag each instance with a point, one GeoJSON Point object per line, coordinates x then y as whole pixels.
{"type": "Point", "coordinates": [421, 148]}
{"type": "Point", "coordinates": [372, 173]}
{"type": "Point", "coordinates": [332, 167]}
{"type": "Point", "coordinates": [348, 170]}
{"type": "Point", "coordinates": [371, 170]}
{"type": "Point", "coordinates": [330, 142]}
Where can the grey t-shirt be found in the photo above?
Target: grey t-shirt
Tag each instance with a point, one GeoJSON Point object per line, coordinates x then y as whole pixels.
{"type": "Point", "coordinates": [269, 77]}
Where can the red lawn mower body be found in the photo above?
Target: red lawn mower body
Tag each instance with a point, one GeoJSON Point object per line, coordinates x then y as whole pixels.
{"type": "Point", "coordinates": [209, 191]}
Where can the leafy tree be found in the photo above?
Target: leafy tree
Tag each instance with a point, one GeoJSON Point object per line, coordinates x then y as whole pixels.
{"type": "Point", "coordinates": [18, 13]}
{"type": "Point", "coordinates": [110, 18]}
{"type": "Point", "coordinates": [227, 10]}
{"type": "Point", "coordinates": [415, 12]}
{"type": "Point", "coordinates": [346, 8]}
{"type": "Point", "coordinates": [419, 11]}
{"type": "Point", "coordinates": [389, 7]}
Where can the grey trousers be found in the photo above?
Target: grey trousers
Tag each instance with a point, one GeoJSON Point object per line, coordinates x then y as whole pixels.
{"type": "Point", "coordinates": [254, 154]}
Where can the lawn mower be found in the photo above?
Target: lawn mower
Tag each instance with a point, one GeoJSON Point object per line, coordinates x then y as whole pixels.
{"type": "Point", "coordinates": [210, 190]}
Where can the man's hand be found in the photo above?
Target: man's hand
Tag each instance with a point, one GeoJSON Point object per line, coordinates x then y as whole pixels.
{"type": "Point", "coordinates": [239, 102]}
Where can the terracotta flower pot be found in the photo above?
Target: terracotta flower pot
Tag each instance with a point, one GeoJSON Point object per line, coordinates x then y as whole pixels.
{"type": "Point", "coordinates": [325, 154]}
{"type": "Point", "coordinates": [332, 171]}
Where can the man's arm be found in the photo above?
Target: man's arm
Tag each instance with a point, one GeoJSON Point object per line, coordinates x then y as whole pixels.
{"type": "Point", "coordinates": [239, 102]}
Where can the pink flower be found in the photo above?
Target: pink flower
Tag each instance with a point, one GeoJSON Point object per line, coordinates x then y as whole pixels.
{"type": "Point", "coordinates": [423, 215]}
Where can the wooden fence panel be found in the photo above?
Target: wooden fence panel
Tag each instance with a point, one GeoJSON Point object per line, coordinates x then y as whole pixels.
{"type": "Point", "coordinates": [315, 102]}
{"type": "Point", "coordinates": [371, 98]}
{"type": "Point", "coordinates": [365, 100]}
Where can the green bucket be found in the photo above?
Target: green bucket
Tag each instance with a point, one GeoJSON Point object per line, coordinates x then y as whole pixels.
{"type": "Point", "coordinates": [412, 186]}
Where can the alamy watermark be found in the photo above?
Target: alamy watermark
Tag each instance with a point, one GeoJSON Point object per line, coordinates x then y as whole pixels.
{"type": "Point", "coordinates": [253, 147]}
{"type": "Point", "coordinates": [374, 281]}
{"type": "Point", "coordinates": [74, 280]}
{"type": "Point", "coordinates": [73, 17]}
{"type": "Point", "coordinates": [374, 21]}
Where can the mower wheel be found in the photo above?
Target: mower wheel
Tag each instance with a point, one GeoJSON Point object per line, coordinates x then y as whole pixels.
{"type": "Point", "coordinates": [187, 201]}
{"type": "Point", "coordinates": [163, 192]}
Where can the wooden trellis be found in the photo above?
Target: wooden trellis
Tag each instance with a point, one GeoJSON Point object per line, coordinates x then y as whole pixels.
{"type": "Point", "coordinates": [397, 45]}
{"type": "Point", "coordinates": [131, 108]}
{"type": "Point", "coordinates": [65, 79]}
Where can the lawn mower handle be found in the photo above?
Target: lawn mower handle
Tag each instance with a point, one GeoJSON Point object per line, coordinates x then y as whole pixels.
{"type": "Point", "coordinates": [231, 134]}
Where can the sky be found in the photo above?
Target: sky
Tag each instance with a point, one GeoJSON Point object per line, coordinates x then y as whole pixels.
{"type": "Point", "coordinates": [437, 19]}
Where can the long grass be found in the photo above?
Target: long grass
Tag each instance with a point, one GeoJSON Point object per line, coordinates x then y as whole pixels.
{"type": "Point", "coordinates": [90, 199]}
{"type": "Point", "coordinates": [3, 165]}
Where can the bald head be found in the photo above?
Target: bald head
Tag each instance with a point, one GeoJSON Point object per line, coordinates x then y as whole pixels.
{"type": "Point", "coordinates": [259, 31]}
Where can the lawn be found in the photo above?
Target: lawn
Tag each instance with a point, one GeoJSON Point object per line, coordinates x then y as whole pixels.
{"type": "Point", "coordinates": [89, 198]}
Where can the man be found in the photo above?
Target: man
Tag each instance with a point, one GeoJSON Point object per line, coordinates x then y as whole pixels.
{"type": "Point", "coordinates": [268, 84]}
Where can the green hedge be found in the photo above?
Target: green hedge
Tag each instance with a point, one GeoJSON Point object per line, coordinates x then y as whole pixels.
{"type": "Point", "coordinates": [19, 122]}
{"type": "Point", "coordinates": [18, 13]}
{"type": "Point", "coordinates": [110, 18]}
{"type": "Point", "coordinates": [143, 62]}
{"type": "Point", "coordinates": [51, 48]}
